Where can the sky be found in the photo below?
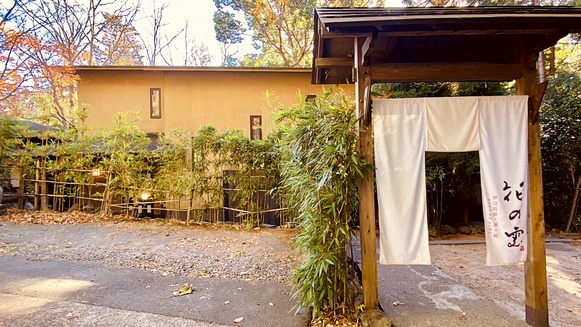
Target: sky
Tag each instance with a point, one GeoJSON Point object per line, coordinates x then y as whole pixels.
{"type": "Point", "coordinates": [199, 13]}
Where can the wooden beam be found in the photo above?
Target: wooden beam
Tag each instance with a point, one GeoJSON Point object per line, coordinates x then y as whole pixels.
{"type": "Point", "coordinates": [391, 42]}
{"type": "Point", "coordinates": [333, 62]}
{"type": "Point", "coordinates": [317, 52]}
{"type": "Point", "coordinates": [445, 72]}
{"type": "Point", "coordinates": [531, 31]}
{"type": "Point", "coordinates": [366, 186]}
{"type": "Point", "coordinates": [334, 35]}
{"type": "Point", "coordinates": [537, 310]}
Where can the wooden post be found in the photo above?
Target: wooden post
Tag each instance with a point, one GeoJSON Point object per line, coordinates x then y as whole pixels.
{"type": "Point", "coordinates": [362, 75]}
{"type": "Point", "coordinates": [43, 187]}
{"type": "Point", "coordinates": [21, 198]}
{"type": "Point", "coordinates": [537, 312]}
{"type": "Point", "coordinates": [36, 188]}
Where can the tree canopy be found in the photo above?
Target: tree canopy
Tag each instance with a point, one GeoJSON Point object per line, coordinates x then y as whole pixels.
{"type": "Point", "coordinates": [281, 29]}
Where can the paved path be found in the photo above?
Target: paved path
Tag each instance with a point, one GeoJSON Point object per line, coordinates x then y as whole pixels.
{"type": "Point", "coordinates": [51, 287]}
{"type": "Point", "coordinates": [426, 296]}
{"type": "Point", "coordinates": [67, 293]}
{"type": "Point", "coordinates": [80, 293]}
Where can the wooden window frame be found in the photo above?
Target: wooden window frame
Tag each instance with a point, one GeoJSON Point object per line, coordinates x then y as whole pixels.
{"type": "Point", "coordinates": [151, 91]}
{"type": "Point", "coordinates": [260, 124]}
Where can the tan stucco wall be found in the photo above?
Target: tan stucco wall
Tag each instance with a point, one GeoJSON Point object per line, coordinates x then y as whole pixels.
{"type": "Point", "coordinates": [190, 99]}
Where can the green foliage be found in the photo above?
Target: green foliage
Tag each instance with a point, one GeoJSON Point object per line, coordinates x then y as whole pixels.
{"type": "Point", "coordinates": [126, 159]}
{"type": "Point", "coordinates": [253, 163]}
{"type": "Point", "coordinates": [173, 170]}
{"type": "Point", "coordinates": [8, 139]}
{"type": "Point", "coordinates": [281, 29]}
{"type": "Point", "coordinates": [7, 135]}
{"type": "Point", "coordinates": [560, 118]}
{"type": "Point", "coordinates": [181, 166]}
{"type": "Point", "coordinates": [228, 29]}
{"type": "Point", "coordinates": [438, 89]}
{"type": "Point", "coordinates": [319, 167]}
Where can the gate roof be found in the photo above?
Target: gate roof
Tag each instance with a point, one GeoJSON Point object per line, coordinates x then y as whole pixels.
{"type": "Point", "coordinates": [436, 44]}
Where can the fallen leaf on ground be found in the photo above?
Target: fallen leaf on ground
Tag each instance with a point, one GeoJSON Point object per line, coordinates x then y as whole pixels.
{"type": "Point", "coordinates": [185, 289]}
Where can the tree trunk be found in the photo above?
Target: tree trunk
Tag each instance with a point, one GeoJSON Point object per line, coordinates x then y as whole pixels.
{"type": "Point", "coordinates": [574, 204]}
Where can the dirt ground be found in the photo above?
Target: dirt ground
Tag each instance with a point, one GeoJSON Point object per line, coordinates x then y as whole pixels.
{"type": "Point", "coordinates": [165, 247]}
{"type": "Point", "coordinates": [505, 285]}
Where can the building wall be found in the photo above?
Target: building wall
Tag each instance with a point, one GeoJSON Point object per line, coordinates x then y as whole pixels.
{"type": "Point", "coordinates": [190, 99]}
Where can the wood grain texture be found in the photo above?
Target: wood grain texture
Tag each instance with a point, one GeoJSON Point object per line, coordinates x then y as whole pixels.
{"type": "Point", "coordinates": [536, 297]}
{"type": "Point", "coordinates": [445, 72]}
{"type": "Point", "coordinates": [366, 189]}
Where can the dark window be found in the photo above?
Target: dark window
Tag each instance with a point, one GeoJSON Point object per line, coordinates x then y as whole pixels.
{"type": "Point", "coordinates": [256, 127]}
{"type": "Point", "coordinates": [155, 103]}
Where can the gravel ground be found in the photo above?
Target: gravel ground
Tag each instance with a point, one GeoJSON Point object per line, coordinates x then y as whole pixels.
{"type": "Point", "coordinates": [504, 285]}
{"type": "Point", "coordinates": [203, 251]}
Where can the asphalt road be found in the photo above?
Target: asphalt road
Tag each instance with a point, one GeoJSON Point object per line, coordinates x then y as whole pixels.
{"type": "Point", "coordinates": [55, 292]}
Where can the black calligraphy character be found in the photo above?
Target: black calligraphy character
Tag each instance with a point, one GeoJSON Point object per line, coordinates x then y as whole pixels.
{"type": "Point", "coordinates": [506, 187]}
{"type": "Point", "coordinates": [519, 194]}
{"type": "Point", "coordinates": [514, 214]}
{"type": "Point", "coordinates": [507, 197]}
{"type": "Point", "coordinates": [514, 235]}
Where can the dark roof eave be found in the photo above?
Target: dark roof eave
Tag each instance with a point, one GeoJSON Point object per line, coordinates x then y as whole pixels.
{"type": "Point", "coordinates": [192, 69]}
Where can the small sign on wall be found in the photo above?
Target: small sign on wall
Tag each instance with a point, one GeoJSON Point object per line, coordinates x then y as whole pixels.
{"type": "Point", "coordinates": [155, 102]}
{"type": "Point", "coordinates": [256, 127]}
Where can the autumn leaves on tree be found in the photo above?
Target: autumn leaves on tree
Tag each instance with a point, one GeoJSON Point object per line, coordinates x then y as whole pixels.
{"type": "Point", "coordinates": [40, 42]}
